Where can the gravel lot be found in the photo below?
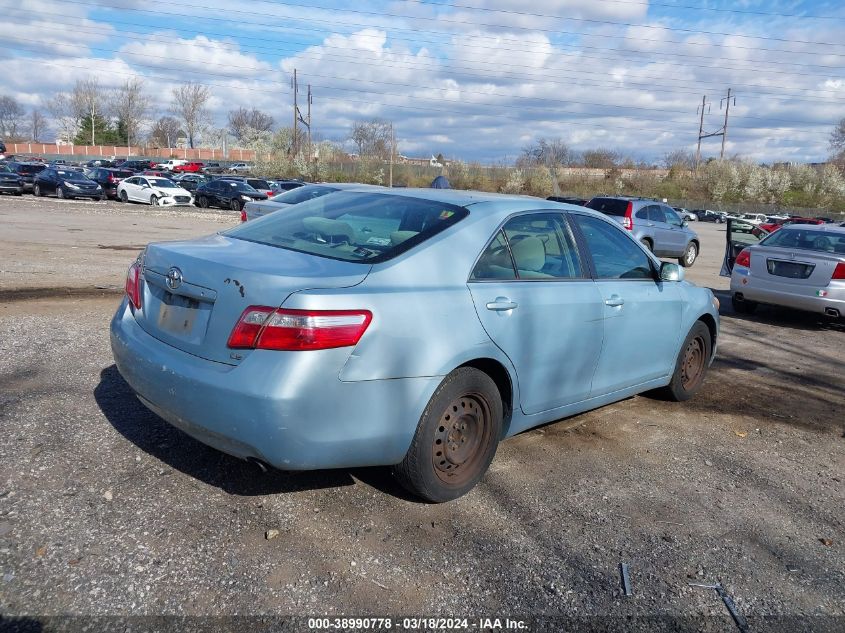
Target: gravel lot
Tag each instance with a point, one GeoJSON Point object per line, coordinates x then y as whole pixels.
{"type": "Point", "coordinates": [107, 510]}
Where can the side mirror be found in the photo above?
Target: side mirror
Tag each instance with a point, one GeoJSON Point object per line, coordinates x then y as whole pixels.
{"type": "Point", "coordinates": [671, 272]}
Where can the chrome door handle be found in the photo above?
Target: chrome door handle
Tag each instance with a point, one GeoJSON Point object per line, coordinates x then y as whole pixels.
{"type": "Point", "coordinates": [615, 301]}
{"type": "Point", "coordinates": [501, 304]}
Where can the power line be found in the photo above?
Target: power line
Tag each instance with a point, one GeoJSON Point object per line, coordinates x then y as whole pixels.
{"type": "Point", "coordinates": [626, 108]}
{"type": "Point", "coordinates": [781, 93]}
{"type": "Point", "coordinates": [380, 14]}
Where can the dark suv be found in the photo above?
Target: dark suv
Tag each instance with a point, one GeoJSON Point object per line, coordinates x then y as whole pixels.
{"type": "Point", "coordinates": [137, 165]}
{"type": "Point", "coordinates": [109, 179]}
{"type": "Point", "coordinates": [27, 172]}
{"type": "Point", "coordinates": [654, 224]}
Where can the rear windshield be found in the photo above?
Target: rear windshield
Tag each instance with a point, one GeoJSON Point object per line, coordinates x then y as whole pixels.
{"type": "Point", "coordinates": [258, 184]}
{"type": "Point", "coordinates": [608, 206]}
{"type": "Point", "coordinates": [121, 173]}
{"type": "Point", "coordinates": [352, 226]}
{"type": "Point", "coordinates": [807, 239]}
{"type": "Point", "coordinates": [301, 194]}
{"type": "Point", "coordinates": [30, 169]}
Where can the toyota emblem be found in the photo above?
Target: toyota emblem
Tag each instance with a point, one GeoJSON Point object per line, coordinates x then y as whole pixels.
{"type": "Point", "coordinates": [174, 278]}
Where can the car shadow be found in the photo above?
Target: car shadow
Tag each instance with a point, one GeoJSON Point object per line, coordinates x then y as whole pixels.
{"type": "Point", "coordinates": [777, 316]}
{"type": "Point", "coordinates": [180, 451]}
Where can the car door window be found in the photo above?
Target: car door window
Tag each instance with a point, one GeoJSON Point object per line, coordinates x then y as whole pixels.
{"type": "Point", "coordinates": [672, 218]}
{"type": "Point", "coordinates": [642, 214]}
{"type": "Point", "coordinates": [615, 255]}
{"type": "Point", "coordinates": [655, 213]}
{"type": "Point", "coordinates": [495, 262]}
{"type": "Point", "coordinates": [539, 244]}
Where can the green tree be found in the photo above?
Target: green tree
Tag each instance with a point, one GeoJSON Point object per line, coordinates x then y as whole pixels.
{"type": "Point", "coordinates": [104, 132]}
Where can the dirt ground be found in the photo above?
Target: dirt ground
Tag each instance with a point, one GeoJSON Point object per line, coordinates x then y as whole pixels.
{"type": "Point", "coordinates": [107, 510]}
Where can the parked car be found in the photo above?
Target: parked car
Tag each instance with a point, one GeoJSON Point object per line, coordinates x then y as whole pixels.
{"type": "Point", "coordinates": [686, 214]}
{"type": "Point", "coordinates": [375, 328]}
{"type": "Point", "coordinates": [169, 164]}
{"type": "Point", "coordinates": [158, 173]}
{"type": "Point", "coordinates": [190, 182]}
{"type": "Point", "coordinates": [653, 224]}
{"type": "Point", "coordinates": [152, 190]}
{"type": "Point", "coordinates": [192, 167]}
{"type": "Point", "coordinates": [227, 194]}
{"type": "Point", "coordinates": [799, 266]}
{"type": "Point", "coordinates": [239, 168]}
{"type": "Point", "coordinates": [706, 215]}
{"type": "Point", "coordinates": [253, 210]}
{"type": "Point", "coordinates": [259, 184]}
{"type": "Point", "coordinates": [280, 186]}
{"type": "Point", "coordinates": [755, 218]}
{"type": "Point", "coordinates": [10, 181]}
{"type": "Point", "coordinates": [27, 172]}
{"type": "Point", "coordinates": [66, 183]}
{"type": "Point", "coordinates": [109, 179]}
{"type": "Point", "coordinates": [97, 162]}
{"type": "Point", "coordinates": [568, 200]}
{"type": "Point", "coordinates": [138, 165]}
{"type": "Point", "coordinates": [213, 168]}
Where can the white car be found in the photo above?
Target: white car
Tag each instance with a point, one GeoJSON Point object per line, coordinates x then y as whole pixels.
{"type": "Point", "coordinates": [168, 165]}
{"type": "Point", "coordinates": [153, 190]}
{"type": "Point", "coordinates": [755, 218]}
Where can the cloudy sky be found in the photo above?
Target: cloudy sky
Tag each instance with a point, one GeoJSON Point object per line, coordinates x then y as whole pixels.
{"type": "Point", "coordinates": [472, 79]}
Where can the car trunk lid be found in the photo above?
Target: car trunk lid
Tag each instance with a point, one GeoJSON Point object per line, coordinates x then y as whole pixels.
{"type": "Point", "coordinates": [195, 291]}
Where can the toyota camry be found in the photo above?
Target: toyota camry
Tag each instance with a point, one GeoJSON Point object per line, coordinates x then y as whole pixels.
{"type": "Point", "coordinates": [412, 329]}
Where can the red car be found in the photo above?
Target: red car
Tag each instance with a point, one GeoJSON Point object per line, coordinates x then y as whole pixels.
{"type": "Point", "coordinates": [774, 226]}
{"type": "Point", "coordinates": [154, 172]}
{"type": "Point", "coordinates": [191, 167]}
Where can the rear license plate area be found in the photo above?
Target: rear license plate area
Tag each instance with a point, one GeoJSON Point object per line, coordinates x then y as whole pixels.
{"type": "Point", "coordinates": [177, 315]}
{"type": "Point", "coordinates": [791, 270]}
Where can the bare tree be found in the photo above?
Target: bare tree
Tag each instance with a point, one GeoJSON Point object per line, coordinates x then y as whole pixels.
{"type": "Point", "coordinates": [245, 124]}
{"type": "Point", "coordinates": [61, 109]}
{"type": "Point", "coordinates": [601, 158]}
{"type": "Point", "coordinates": [131, 105]}
{"type": "Point", "coordinates": [680, 159]}
{"type": "Point", "coordinates": [282, 142]}
{"type": "Point", "coordinates": [165, 132]}
{"type": "Point", "coordinates": [189, 104]}
{"type": "Point", "coordinates": [37, 124]}
{"type": "Point", "coordinates": [371, 138]}
{"type": "Point", "coordinates": [88, 101]}
{"type": "Point", "coordinates": [547, 153]}
{"type": "Point", "coordinates": [11, 113]}
{"type": "Point", "coordinates": [837, 139]}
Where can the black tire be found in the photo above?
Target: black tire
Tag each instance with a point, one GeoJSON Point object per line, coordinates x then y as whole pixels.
{"type": "Point", "coordinates": [743, 306]}
{"type": "Point", "coordinates": [720, 220]}
{"type": "Point", "coordinates": [60, 193]}
{"type": "Point", "coordinates": [690, 255]}
{"type": "Point", "coordinates": [123, 196]}
{"type": "Point", "coordinates": [36, 190]}
{"type": "Point", "coordinates": [154, 200]}
{"type": "Point", "coordinates": [647, 243]}
{"type": "Point", "coordinates": [691, 366]}
{"type": "Point", "coordinates": [456, 438]}
{"type": "Point", "coordinates": [202, 202]}
{"type": "Point", "coordinates": [235, 204]}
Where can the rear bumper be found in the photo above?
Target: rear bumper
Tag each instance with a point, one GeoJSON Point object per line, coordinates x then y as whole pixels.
{"type": "Point", "coordinates": [288, 409]}
{"type": "Point", "coordinates": [10, 188]}
{"type": "Point", "coordinates": [788, 295]}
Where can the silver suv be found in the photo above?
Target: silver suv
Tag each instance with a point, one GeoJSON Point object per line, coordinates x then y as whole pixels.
{"type": "Point", "coordinates": [655, 225]}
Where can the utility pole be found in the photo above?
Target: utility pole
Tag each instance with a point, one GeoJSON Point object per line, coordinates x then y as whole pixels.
{"type": "Point", "coordinates": [392, 152]}
{"type": "Point", "coordinates": [92, 121]}
{"type": "Point", "coordinates": [310, 101]}
{"type": "Point", "coordinates": [295, 116]}
{"type": "Point", "coordinates": [723, 131]}
{"type": "Point", "coordinates": [701, 130]}
{"type": "Point", "coordinates": [727, 101]}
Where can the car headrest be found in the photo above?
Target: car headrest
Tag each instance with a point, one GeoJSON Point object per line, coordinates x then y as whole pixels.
{"type": "Point", "coordinates": [529, 253]}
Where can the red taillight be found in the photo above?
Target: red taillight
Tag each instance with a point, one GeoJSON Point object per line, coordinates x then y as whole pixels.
{"type": "Point", "coordinates": [628, 220]}
{"type": "Point", "coordinates": [112, 178]}
{"type": "Point", "coordinates": [133, 285]}
{"type": "Point", "coordinates": [261, 327]}
{"type": "Point", "coordinates": [743, 259]}
{"type": "Point", "coordinates": [838, 272]}
{"type": "Point", "coordinates": [243, 215]}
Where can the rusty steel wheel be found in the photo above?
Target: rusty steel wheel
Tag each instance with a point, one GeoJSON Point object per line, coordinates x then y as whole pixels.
{"type": "Point", "coordinates": [462, 433]}
{"type": "Point", "coordinates": [456, 438]}
{"type": "Point", "coordinates": [691, 366]}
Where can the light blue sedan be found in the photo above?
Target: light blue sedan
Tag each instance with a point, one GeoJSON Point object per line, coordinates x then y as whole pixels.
{"type": "Point", "coordinates": [412, 328]}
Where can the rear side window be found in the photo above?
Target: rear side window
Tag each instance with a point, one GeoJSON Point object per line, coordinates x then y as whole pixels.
{"type": "Point", "coordinates": [540, 245]}
{"type": "Point", "coordinates": [615, 255]}
{"type": "Point", "coordinates": [655, 213]}
{"type": "Point", "coordinates": [608, 206]}
{"type": "Point", "coordinates": [353, 226]}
